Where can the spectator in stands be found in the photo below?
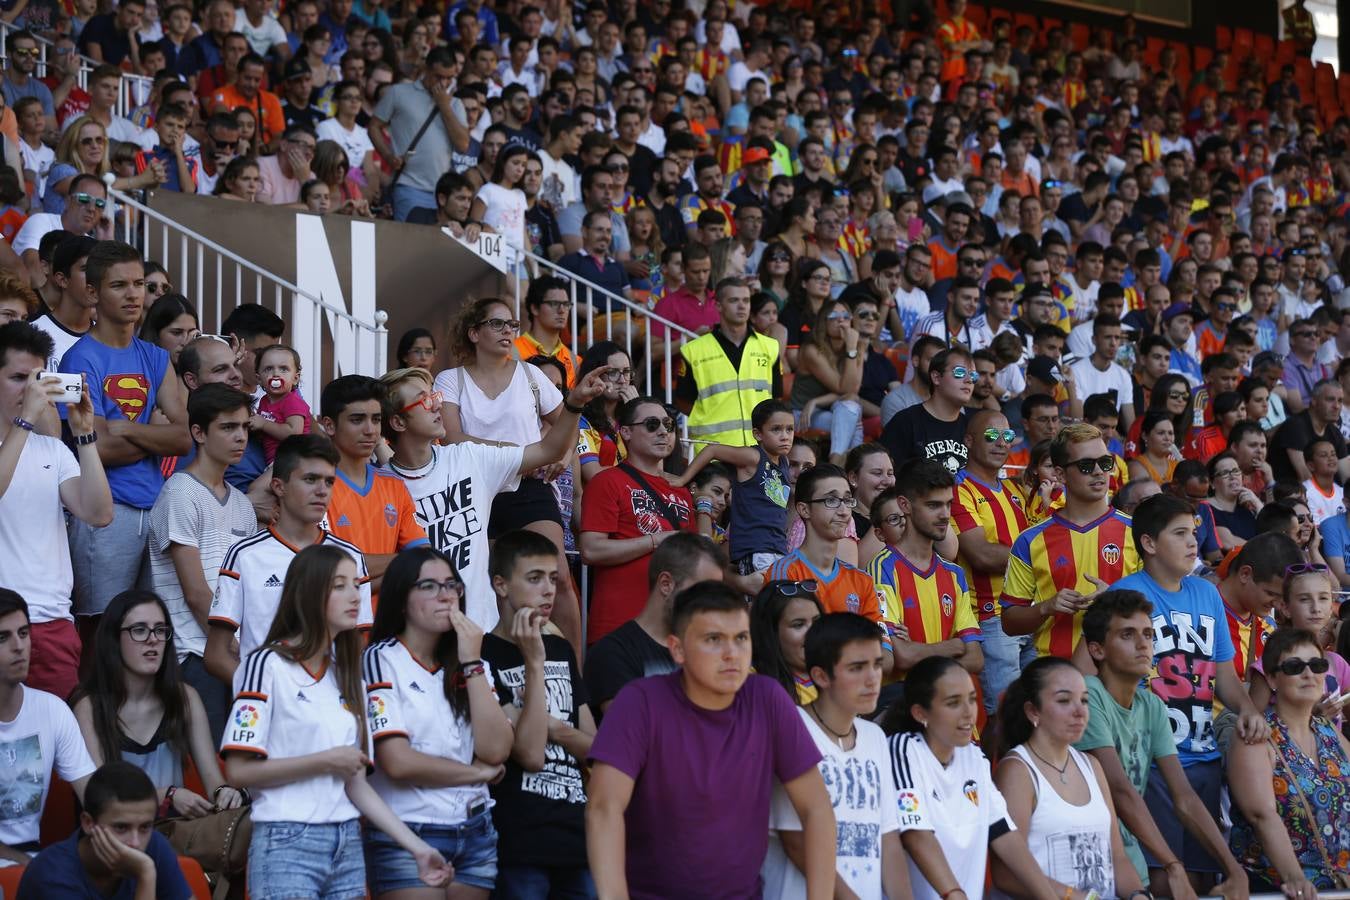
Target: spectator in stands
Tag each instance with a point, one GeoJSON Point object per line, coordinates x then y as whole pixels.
{"type": "Point", "coordinates": [252, 327]}
{"type": "Point", "coordinates": [1320, 420]}
{"type": "Point", "coordinates": [547, 308]}
{"type": "Point", "coordinates": [1292, 837]}
{"type": "Point", "coordinates": [690, 305]}
{"type": "Point", "coordinates": [284, 173]}
{"type": "Point", "coordinates": [20, 80]}
{"type": "Point", "coordinates": [493, 396]}
{"type": "Point", "coordinates": [296, 90]}
{"type": "Point", "coordinates": [536, 678]}
{"type": "Point", "coordinates": [83, 214]}
{"type": "Point", "coordinates": [39, 722]}
{"type": "Point", "coordinates": [240, 180]}
{"type": "Point", "coordinates": [593, 265]}
{"type": "Point", "coordinates": [1037, 729]}
{"type": "Point", "coordinates": [133, 688]}
{"type": "Point", "coordinates": [206, 49]}
{"type": "Point", "coordinates": [105, 86]}
{"type": "Point", "coordinates": [627, 511]}
{"type": "Point", "coordinates": [109, 38]}
{"type": "Point", "coordinates": [432, 776]}
{"type": "Point", "coordinates": [38, 477]}
{"type": "Point", "coordinates": [171, 124]}
{"type": "Point", "coordinates": [70, 317]}
{"type": "Point", "coordinates": [370, 508]}
{"type": "Point", "coordinates": [936, 428]}
{"type": "Point", "coordinates": [315, 741]}
{"type": "Point", "coordinates": [247, 91]}
{"type": "Point", "coordinates": [732, 353]}
{"type": "Point", "coordinates": [637, 649]}
{"type": "Point", "coordinates": [248, 593]}
{"type": "Point", "coordinates": [192, 527]}
{"type": "Point", "coordinates": [170, 323]}
{"type": "Point", "coordinates": [128, 381]}
{"type": "Point", "coordinates": [265, 34]}
{"type": "Point", "coordinates": [639, 785]}
{"type": "Point", "coordinates": [402, 112]}
{"type": "Point", "coordinates": [116, 851]}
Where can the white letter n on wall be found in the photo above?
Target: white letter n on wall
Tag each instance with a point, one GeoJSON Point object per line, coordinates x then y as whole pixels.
{"type": "Point", "coordinates": [316, 274]}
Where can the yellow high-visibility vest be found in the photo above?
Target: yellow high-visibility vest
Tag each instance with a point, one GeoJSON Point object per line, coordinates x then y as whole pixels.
{"type": "Point", "coordinates": [727, 397]}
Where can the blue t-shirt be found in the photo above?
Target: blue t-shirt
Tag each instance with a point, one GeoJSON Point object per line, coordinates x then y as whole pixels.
{"type": "Point", "coordinates": [1190, 642]}
{"type": "Point", "coordinates": [1335, 536]}
{"type": "Point", "coordinates": [123, 384]}
{"type": "Point", "coordinates": [758, 522]}
{"type": "Point", "coordinates": [57, 873]}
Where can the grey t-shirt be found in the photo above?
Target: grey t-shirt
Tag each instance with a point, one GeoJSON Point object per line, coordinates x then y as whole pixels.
{"type": "Point", "coordinates": [405, 107]}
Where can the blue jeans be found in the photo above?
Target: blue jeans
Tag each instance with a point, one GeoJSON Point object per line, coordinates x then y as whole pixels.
{"type": "Point", "coordinates": [406, 199]}
{"type": "Point", "coordinates": [471, 847]}
{"type": "Point", "coordinates": [1004, 659]}
{"type": "Point", "coordinates": [843, 420]}
{"type": "Point", "coordinates": [300, 861]}
{"type": "Point", "coordinates": [544, 883]}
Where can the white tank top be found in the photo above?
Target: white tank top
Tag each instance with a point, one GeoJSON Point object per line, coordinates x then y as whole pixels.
{"type": "Point", "coordinates": [1071, 844]}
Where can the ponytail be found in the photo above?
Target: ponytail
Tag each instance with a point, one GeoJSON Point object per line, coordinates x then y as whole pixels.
{"type": "Point", "coordinates": [1014, 728]}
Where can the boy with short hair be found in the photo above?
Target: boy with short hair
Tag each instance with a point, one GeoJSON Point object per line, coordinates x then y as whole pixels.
{"type": "Point", "coordinates": [116, 852]}
{"type": "Point", "coordinates": [254, 569]}
{"type": "Point", "coordinates": [171, 123]}
{"type": "Point", "coordinates": [1129, 734]}
{"type": "Point", "coordinates": [1192, 655]}
{"type": "Point", "coordinates": [671, 799]}
{"type": "Point", "coordinates": [540, 802]}
{"type": "Point", "coordinates": [196, 519]}
{"type": "Point", "coordinates": [1326, 498]}
{"type": "Point", "coordinates": [370, 508]}
{"type": "Point", "coordinates": [844, 658]}
{"type": "Point", "coordinates": [71, 317]}
{"type": "Point", "coordinates": [758, 525]}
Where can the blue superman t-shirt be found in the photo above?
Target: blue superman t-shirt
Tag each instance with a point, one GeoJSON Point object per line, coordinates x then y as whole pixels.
{"type": "Point", "coordinates": [123, 384]}
{"type": "Point", "coordinates": [1190, 641]}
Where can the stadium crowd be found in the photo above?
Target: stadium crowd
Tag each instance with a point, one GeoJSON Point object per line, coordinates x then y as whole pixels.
{"type": "Point", "coordinates": [1006, 424]}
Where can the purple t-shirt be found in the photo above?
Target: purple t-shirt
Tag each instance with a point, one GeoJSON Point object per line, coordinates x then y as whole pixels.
{"type": "Point", "coordinates": [698, 821]}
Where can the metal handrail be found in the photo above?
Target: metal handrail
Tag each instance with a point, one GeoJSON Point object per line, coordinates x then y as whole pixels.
{"type": "Point", "coordinates": [674, 332]}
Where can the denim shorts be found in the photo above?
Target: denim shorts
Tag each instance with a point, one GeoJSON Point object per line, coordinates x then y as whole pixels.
{"type": "Point", "coordinates": [470, 847]}
{"type": "Point", "coordinates": [291, 860]}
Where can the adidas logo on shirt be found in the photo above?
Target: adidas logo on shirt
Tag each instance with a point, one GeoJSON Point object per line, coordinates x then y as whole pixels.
{"type": "Point", "coordinates": [300, 696]}
{"type": "Point", "coordinates": [272, 581]}
{"type": "Point", "coordinates": [344, 522]}
{"type": "Point", "coordinates": [414, 686]}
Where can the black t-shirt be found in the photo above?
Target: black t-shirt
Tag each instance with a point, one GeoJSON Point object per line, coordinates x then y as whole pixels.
{"type": "Point", "coordinates": [878, 373]}
{"type": "Point", "coordinates": [625, 654]}
{"type": "Point", "coordinates": [540, 816]}
{"type": "Point", "coordinates": [1295, 434]}
{"type": "Point", "coordinates": [670, 223]}
{"type": "Point", "coordinates": [541, 227]}
{"type": "Point", "coordinates": [102, 30]}
{"type": "Point", "coordinates": [1074, 208]}
{"type": "Point", "coordinates": [915, 433]}
{"type": "Point", "coordinates": [641, 164]}
{"type": "Point", "coordinates": [526, 136]}
{"type": "Point", "coordinates": [913, 167]}
{"type": "Point", "coordinates": [308, 116]}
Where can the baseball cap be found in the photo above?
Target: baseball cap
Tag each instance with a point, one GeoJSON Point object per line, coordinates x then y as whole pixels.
{"type": "Point", "coordinates": [296, 67]}
{"type": "Point", "coordinates": [754, 155]}
{"type": "Point", "coordinates": [1044, 368]}
{"type": "Point", "coordinates": [1178, 309]}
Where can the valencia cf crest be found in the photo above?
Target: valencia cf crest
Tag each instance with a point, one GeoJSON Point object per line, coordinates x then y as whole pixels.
{"type": "Point", "coordinates": [972, 791]}
{"type": "Point", "coordinates": [390, 515]}
{"type": "Point", "coordinates": [1111, 554]}
{"type": "Point", "coordinates": [947, 604]}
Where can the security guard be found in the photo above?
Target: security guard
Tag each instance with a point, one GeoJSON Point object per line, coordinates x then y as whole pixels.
{"type": "Point", "coordinates": [727, 371]}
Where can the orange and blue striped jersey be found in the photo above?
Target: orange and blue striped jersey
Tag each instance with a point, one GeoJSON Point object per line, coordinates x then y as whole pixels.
{"type": "Point", "coordinates": [843, 589]}
{"type": "Point", "coordinates": [1059, 555]}
{"type": "Point", "coordinates": [997, 511]}
{"type": "Point", "coordinates": [934, 603]}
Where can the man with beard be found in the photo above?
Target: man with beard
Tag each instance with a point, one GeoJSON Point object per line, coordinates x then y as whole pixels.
{"type": "Point", "coordinates": [661, 198]}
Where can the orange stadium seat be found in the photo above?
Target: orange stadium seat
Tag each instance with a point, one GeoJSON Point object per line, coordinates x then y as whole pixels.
{"type": "Point", "coordinates": [976, 14]}
{"type": "Point", "coordinates": [9, 880]}
{"type": "Point", "coordinates": [1223, 37]}
{"type": "Point", "coordinates": [196, 878]}
{"type": "Point", "coordinates": [1285, 51]}
{"type": "Point", "coordinates": [1152, 48]}
{"type": "Point", "coordinates": [1048, 24]}
{"type": "Point", "coordinates": [1322, 74]}
{"type": "Point", "coordinates": [1027, 19]}
{"type": "Point", "coordinates": [1264, 46]}
{"type": "Point", "coordinates": [1343, 88]}
{"type": "Point", "coordinates": [1203, 56]}
{"type": "Point", "coordinates": [59, 818]}
{"type": "Point", "coordinates": [1243, 40]}
{"type": "Point", "coordinates": [1079, 35]}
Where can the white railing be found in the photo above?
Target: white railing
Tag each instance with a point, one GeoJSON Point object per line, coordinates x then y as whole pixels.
{"type": "Point", "coordinates": [639, 317]}
{"type": "Point", "coordinates": [135, 89]}
{"type": "Point", "coordinates": [217, 280]}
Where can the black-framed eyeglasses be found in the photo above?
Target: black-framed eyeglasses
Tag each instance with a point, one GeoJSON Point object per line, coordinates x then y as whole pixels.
{"type": "Point", "coordinates": [1089, 465]}
{"type": "Point", "coordinates": [1295, 666]}
{"type": "Point", "coordinates": [833, 502]}
{"type": "Point", "coordinates": [141, 633]}
{"type": "Point", "coordinates": [432, 586]}
{"type": "Point", "coordinates": [500, 324]}
{"type": "Point", "coordinates": [893, 520]}
{"type": "Point", "coordinates": [793, 588]}
{"type": "Point", "coordinates": [618, 375]}
{"type": "Point", "coordinates": [559, 305]}
{"type": "Point", "coordinates": [653, 423]}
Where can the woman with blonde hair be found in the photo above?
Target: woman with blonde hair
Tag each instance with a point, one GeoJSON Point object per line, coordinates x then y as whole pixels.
{"type": "Point", "coordinates": [83, 149]}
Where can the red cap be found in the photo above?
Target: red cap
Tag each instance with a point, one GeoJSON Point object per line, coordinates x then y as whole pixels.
{"type": "Point", "coordinates": [755, 155]}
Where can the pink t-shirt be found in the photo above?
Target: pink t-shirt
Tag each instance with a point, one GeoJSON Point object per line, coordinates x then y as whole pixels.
{"type": "Point", "coordinates": [683, 308]}
{"type": "Point", "coordinates": [279, 411]}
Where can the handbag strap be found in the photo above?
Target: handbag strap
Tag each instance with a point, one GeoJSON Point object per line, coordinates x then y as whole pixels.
{"type": "Point", "coordinates": [417, 139]}
{"type": "Point", "coordinates": [661, 505]}
{"type": "Point", "coordinates": [1282, 760]}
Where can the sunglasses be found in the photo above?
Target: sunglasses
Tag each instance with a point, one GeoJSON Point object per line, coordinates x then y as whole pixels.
{"type": "Point", "coordinates": [618, 375]}
{"type": "Point", "coordinates": [780, 257]}
{"type": "Point", "coordinates": [869, 316]}
{"type": "Point", "coordinates": [653, 423]}
{"type": "Point", "coordinates": [1226, 307]}
{"type": "Point", "coordinates": [1093, 464]}
{"type": "Point", "coordinates": [792, 588]}
{"type": "Point", "coordinates": [1178, 395]}
{"type": "Point", "coordinates": [1298, 569]}
{"type": "Point", "coordinates": [1295, 666]}
{"type": "Point", "coordinates": [993, 434]}
{"type": "Point", "coordinates": [93, 141]}
{"type": "Point", "coordinates": [500, 324]}
{"type": "Point", "coordinates": [85, 199]}
{"type": "Point", "coordinates": [839, 316]}
{"type": "Point", "coordinates": [961, 373]}
{"type": "Point", "coordinates": [430, 402]}
{"type": "Point", "coordinates": [24, 52]}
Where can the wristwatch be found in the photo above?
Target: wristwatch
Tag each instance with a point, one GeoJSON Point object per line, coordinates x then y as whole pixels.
{"type": "Point", "coordinates": [853, 354]}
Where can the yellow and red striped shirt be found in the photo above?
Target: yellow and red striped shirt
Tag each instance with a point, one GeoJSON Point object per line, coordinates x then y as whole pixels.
{"type": "Point", "coordinates": [1243, 632]}
{"type": "Point", "coordinates": [997, 511]}
{"type": "Point", "coordinates": [1059, 555]}
{"type": "Point", "coordinates": [934, 604]}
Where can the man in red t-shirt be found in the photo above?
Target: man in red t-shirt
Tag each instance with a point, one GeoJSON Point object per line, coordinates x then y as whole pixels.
{"type": "Point", "coordinates": [63, 68]}
{"type": "Point", "coordinates": [626, 512]}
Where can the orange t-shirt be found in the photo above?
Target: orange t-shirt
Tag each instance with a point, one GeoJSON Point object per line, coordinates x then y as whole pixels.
{"type": "Point", "coordinates": [843, 589]}
{"type": "Point", "coordinates": [266, 109]}
{"type": "Point", "coordinates": [376, 517]}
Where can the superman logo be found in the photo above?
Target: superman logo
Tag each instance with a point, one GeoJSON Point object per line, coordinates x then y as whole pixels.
{"type": "Point", "coordinates": [131, 393]}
